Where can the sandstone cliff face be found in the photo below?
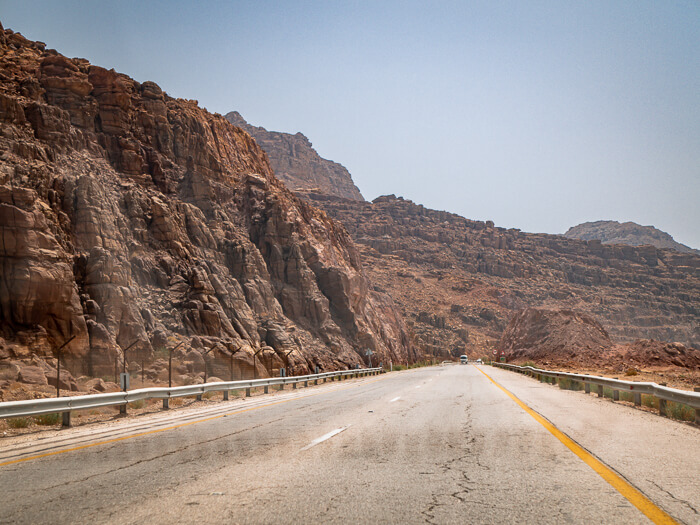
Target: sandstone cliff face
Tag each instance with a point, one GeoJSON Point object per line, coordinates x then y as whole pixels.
{"type": "Point", "coordinates": [128, 217]}
{"type": "Point", "coordinates": [459, 281]}
{"type": "Point", "coordinates": [297, 163]}
{"type": "Point", "coordinates": [630, 233]}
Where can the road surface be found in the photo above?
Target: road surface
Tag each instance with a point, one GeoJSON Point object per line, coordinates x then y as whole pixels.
{"type": "Point", "coordinates": [435, 445]}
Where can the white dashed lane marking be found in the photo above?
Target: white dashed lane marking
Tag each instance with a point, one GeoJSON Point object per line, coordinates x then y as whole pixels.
{"type": "Point", "coordinates": [324, 437]}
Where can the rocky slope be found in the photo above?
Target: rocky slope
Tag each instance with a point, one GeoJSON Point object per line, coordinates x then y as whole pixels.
{"type": "Point", "coordinates": [297, 164]}
{"type": "Point", "coordinates": [554, 336]}
{"type": "Point", "coordinates": [130, 219]}
{"type": "Point", "coordinates": [569, 339]}
{"type": "Point", "coordinates": [630, 233]}
{"type": "Point", "coordinates": [460, 281]}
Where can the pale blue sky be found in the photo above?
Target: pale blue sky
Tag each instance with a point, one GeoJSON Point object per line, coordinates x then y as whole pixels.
{"type": "Point", "coordinates": [537, 115]}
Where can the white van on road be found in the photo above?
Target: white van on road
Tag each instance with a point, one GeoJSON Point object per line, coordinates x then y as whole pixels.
{"type": "Point", "coordinates": [463, 359]}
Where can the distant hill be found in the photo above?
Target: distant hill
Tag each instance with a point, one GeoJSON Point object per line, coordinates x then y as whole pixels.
{"type": "Point", "coordinates": [297, 164]}
{"type": "Point", "coordinates": [633, 234]}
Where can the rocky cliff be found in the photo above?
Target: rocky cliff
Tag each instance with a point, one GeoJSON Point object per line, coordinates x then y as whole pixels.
{"type": "Point", "coordinates": [460, 281]}
{"type": "Point", "coordinates": [630, 233]}
{"type": "Point", "coordinates": [297, 163]}
{"type": "Point", "coordinates": [130, 219]}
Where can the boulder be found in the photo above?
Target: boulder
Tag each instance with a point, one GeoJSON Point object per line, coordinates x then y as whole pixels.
{"type": "Point", "coordinates": [33, 375]}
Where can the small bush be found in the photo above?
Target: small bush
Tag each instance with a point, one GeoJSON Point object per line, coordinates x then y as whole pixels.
{"type": "Point", "coordinates": [626, 396]}
{"type": "Point", "coordinates": [18, 422]}
{"type": "Point", "coordinates": [569, 384]}
{"type": "Point", "coordinates": [47, 419]}
{"type": "Point", "coordinates": [208, 395]}
{"type": "Point", "coordinates": [650, 401]}
{"type": "Point", "coordinates": [137, 404]}
{"type": "Point", "coordinates": [679, 411]}
{"type": "Point", "coordinates": [399, 367]}
{"type": "Point", "coordinates": [631, 372]}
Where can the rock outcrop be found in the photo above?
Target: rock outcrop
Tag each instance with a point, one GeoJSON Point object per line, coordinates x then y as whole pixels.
{"type": "Point", "coordinates": [569, 339]}
{"type": "Point", "coordinates": [630, 233]}
{"type": "Point", "coordinates": [132, 222]}
{"type": "Point", "coordinates": [297, 163]}
{"type": "Point", "coordinates": [555, 336]}
{"type": "Point", "coordinates": [459, 281]}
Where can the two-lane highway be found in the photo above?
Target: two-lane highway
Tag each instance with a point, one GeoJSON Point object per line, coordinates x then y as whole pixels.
{"type": "Point", "coordinates": [433, 445]}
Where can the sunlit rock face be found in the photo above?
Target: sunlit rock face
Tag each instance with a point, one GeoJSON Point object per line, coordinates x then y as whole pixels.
{"type": "Point", "coordinates": [297, 164]}
{"type": "Point", "coordinates": [128, 217]}
{"type": "Point", "coordinates": [630, 233]}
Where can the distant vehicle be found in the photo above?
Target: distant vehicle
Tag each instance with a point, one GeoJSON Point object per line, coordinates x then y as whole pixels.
{"type": "Point", "coordinates": [478, 361]}
{"type": "Point", "coordinates": [463, 359]}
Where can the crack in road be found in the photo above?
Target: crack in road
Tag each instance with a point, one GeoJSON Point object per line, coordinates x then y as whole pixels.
{"type": "Point", "coordinates": [459, 466]}
{"type": "Point", "coordinates": [679, 500]}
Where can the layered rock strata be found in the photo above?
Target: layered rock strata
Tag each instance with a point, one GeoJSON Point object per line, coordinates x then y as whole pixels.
{"type": "Point", "coordinates": [133, 220]}
{"type": "Point", "coordinates": [459, 281]}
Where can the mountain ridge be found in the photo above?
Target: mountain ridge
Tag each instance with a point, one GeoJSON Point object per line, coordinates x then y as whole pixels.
{"type": "Point", "coordinates": [630, 233]}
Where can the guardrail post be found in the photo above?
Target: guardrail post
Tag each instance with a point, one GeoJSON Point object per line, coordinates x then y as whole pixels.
{"type": "Point", "coordinates": [637, 399]}
{"type": "Point", "coordinates": [166, 403]}
{"type": "Point", "coordinates": [294, 385]}
{"type": "Point", "coordinates": [306, 383]}
{"type": "Point", "coordinates": [587, 388]}
{"type": "Point", "coordinates": [600, 390]}
{"type": "Point", "coordinates": [662, 404]}
{"type": "Point", "coordinates": [616, 395]}
{"type": "Point", "coordinates": [225, 395]}
{"type": "Point", "coordinates": [554, 380]}
{"type": "Point", "coordinates": [66, 419]}
{"type": "Point", "coordinates": [247, 392]}
{"type": "Point", "coordinates": [266, 390]}
{"type": "Point", "coordinates": [697, 410]}
{"type": "Point", "coordinates": [122, 409]}
{"type": "Point", "coordinates": [199, 397]}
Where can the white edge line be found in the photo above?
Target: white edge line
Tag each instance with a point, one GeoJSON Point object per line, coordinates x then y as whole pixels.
{"type": "Point", "coordinates": [324, 437]}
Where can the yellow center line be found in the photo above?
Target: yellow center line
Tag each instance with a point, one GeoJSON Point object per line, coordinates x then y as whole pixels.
{"type": "Point", "coordinates": [634, 496]}
{"type": "Point", "coordinates": [181, 425]}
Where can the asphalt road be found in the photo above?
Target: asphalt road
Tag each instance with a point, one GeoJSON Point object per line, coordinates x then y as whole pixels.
{"type": "Point", "coordinates": [433, 445]}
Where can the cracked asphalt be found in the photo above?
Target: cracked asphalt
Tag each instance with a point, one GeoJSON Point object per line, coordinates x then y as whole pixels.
{"type": "Point", "coordinates": [452, 448]}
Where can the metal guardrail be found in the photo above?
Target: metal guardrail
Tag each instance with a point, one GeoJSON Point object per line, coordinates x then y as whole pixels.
{"type": "Point", "coordinates": [662, 393]}
{"type": "Point", "coordinates": [66, 405]}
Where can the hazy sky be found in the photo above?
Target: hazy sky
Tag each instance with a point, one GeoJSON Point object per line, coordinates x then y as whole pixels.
{"type": "Point", "coordinates": [537, 115]}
